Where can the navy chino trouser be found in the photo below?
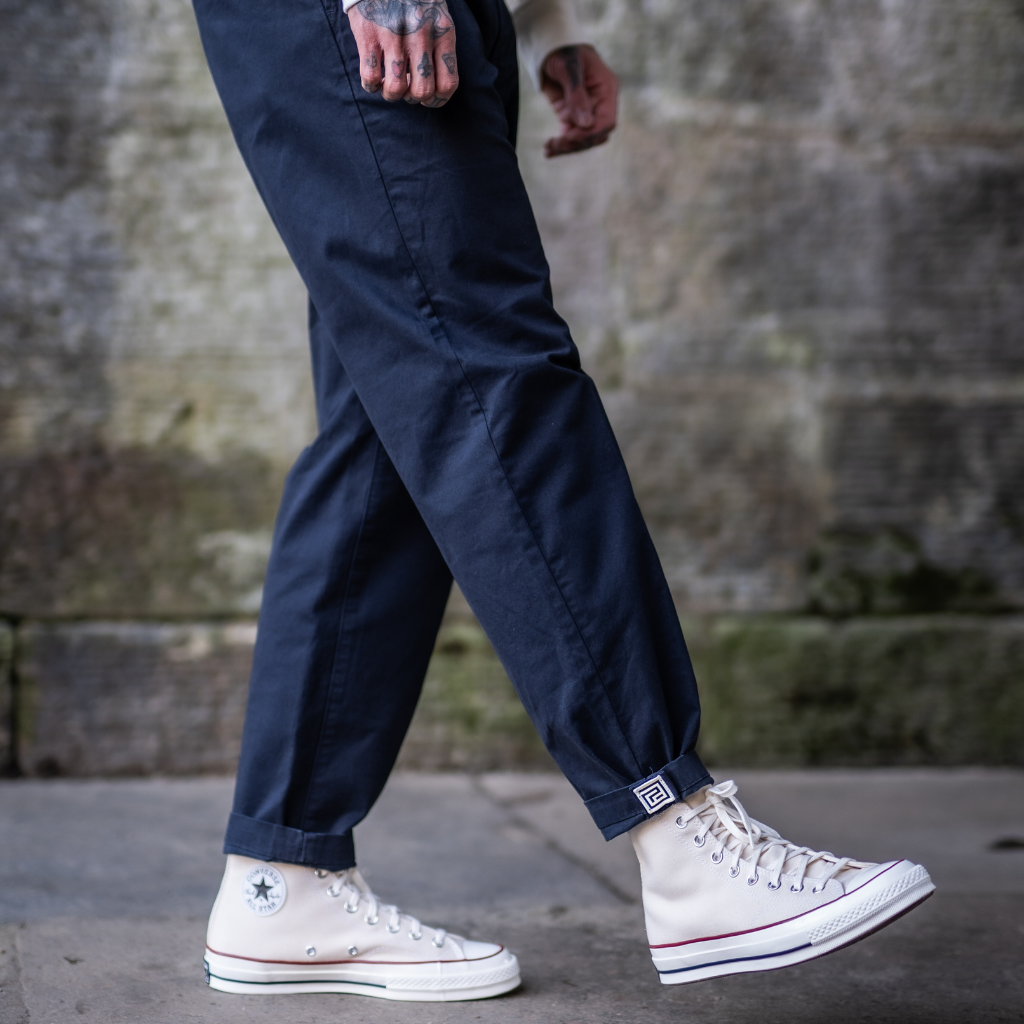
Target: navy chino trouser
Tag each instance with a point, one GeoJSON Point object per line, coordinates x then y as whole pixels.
{"type": "Point", "coordinates": [458, 436]}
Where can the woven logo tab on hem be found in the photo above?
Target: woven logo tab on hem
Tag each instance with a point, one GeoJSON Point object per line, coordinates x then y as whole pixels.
{"type": "Point", "coordinates": [654, 794]}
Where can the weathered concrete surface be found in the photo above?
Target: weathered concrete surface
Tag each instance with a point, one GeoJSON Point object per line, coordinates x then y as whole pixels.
{"type": "Point", "coordinates": [131, 698]}
{"type": "Point", "coordinates": [12, 1002]}
{"type": "Point", "coordinates": [114, 915]}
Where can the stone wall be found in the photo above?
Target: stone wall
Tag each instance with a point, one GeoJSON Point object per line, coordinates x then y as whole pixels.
{"type": "Point", "coordinates": [795, 273]}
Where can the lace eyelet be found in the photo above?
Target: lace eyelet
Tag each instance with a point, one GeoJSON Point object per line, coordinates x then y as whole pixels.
{"type": "Point", "coordinates": [816, 890]}
{"type": "Point", "coordinates": [793, 888]}
{"type": "Point", "coordinates": [319, 872]}
{"type": "Point", "coordinates": [333, 894]}
{"type": "Point", "coordinates": [779, 886]}
{"type": "Point", "coordinates": [698, 840]}
{"type": "Point", "coordinates": [350, 908]}
{"type": "Point", "coordinates": [415, 937]}
{"type": "Point", "coordinates": [352, 951]}
{"type": "Point", "coordinates": [680, 823]}
{"type": "Point", "coordinates": [436, 944]}
{"type": "Point", "coordinates": [733, 872]}
{"type": "Point", "coordinates": [394, 931]}
{"type": "Point", "coordinates": [753, 879]}
{"type": "Point", "coordinates": [374, 920]}
{"type": "Point", "coordinates": [717, 857]}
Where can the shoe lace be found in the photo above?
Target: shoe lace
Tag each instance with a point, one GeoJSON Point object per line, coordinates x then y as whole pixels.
{"type": "Point", "coordinates": [723, 819]}
{"type": "Point", "coordinates": [351, 884]}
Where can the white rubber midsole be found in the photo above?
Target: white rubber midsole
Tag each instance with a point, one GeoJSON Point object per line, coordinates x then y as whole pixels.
{"type": "Point", "coordinates": [437, 981]}
{"type": "Point", "coordinates": [836, 924]}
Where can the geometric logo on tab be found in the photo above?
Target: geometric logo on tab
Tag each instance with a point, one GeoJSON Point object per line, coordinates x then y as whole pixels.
{"type": "Point", "coordinates": [654, 794]}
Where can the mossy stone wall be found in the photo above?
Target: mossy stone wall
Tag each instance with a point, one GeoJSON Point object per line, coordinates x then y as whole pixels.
{"type": "Point", "coordinates": [795, 274]}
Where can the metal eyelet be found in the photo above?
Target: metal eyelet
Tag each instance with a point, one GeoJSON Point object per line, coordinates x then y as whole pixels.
{"type": "Point", "coordinates": [779, 886]}
{"type": "Point", "coordinates": [734, 871]}
{"type": "Point", "coordinates": [436, 944]}
{"type": "Point", "coordinates": [373, 921]}
{"type": "Point", "coordinates": [352, 951]}
{"type": "Point", "coordinates": [350, 908]}
{"type": "Point", "coordinates": [698, 840]}
{"type": "Point", "coordinates": [311, 951]}
{"type": "Point", "coordinates": [333, 894]}
{"type": "Point", "coordinates": [753, 879]}
{"type": "Point", "coordinates": [793, 888]}
{"type": "Point", "coordinates": [394, 931]}
{"type": "Point", "coordinates": [414, 937]}
{"type": "Point", "coordinates": [816, 890]}
{"type": "Point", "coordinates": [717, 857]}
{"type": "Point", "coordinates": [319, 872]}
{"type": "Point", "coordinates": [680, 823]}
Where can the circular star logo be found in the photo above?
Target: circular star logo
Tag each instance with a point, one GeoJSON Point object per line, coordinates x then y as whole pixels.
{"type": "Point", "coordinates": [263, 890]}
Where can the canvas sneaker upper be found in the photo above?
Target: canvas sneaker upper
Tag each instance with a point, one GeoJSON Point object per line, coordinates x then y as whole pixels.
{"type": "Point", "coordinates": [288, 913]}
{"type": "Point", "coordinates": [710, 870]}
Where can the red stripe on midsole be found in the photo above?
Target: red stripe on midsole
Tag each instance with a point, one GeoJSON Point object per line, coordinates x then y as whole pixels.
{"type": "Point", "coordinates": [371, 963]}
{"type": "Point", "coordinates": [761, 928]}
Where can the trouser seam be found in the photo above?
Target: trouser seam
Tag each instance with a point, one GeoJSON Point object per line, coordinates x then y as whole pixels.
{"type": "Point", "coordinates": [332, 681]}
{"type": "Point", "coordinates": [476, 398]}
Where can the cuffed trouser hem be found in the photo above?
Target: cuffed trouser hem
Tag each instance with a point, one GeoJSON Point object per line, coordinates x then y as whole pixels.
{"type": "Point", "coordinates": [621, 809]}
{"type": "Point", "coordinates": [260, 839]}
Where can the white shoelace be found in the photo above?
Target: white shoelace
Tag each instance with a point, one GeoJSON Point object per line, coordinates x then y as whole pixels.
{"type": "Point", "coordinates": [353, 887]}
{"type": "Point", "coordinates": [722, 819]}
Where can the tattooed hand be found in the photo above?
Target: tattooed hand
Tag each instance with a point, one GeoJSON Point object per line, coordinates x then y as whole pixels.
{"type": "Point", "coordinates": [584, 92]}
{"type": "Point", "coordinates": [406, 49]}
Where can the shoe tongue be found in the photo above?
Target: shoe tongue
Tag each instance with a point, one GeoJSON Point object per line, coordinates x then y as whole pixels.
{"type": "Point", "coordinates": [694, 800]}
{"type": "Point", "coordinates": [358, 880]}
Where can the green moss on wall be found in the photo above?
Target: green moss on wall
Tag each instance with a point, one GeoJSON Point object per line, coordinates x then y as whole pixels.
{"type": "Point", "coordinates": [776, 691]}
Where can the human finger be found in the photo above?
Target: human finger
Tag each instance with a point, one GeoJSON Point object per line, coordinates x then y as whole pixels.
{"type": "Point", "coordinates": [396, 75]}
{"type": "Point", "coordinates": [562, 145]}
{"type": "Point", "coordinates": [563, 81]}
{"type": "Point", "coordinates": [446, 70]}
{"type": "Point", "coordinates": [371, 67]}
{"type": "Point", "coordinates": [421, 72]}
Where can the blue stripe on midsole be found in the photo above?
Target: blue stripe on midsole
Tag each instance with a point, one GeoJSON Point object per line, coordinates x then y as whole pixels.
{"type": "Point", "coordinates": [735, 960]}
{"type": "Point", "coordinates": [300, 981]}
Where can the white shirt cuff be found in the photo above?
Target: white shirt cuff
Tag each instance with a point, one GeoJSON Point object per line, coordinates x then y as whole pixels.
{"type": "Point", "coordinates": [543, 26]}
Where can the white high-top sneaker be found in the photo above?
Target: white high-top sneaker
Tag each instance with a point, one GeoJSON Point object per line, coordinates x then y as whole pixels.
{"type": "Point", "coordinates": [724, 894]}
{"type": "Point", "coordinates": [283, 928]}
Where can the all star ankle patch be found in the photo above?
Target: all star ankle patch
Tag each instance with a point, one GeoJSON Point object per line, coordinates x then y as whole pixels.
{"type": "Point", "coordinates": [655, 793]}
{"type": "Point", "coordinates": [263, 890]}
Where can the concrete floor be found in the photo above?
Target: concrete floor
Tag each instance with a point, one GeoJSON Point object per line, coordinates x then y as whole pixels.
{"type": "Point", "coordinates": [105, 886]}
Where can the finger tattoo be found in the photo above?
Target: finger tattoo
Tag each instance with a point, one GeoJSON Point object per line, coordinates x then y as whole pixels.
{"type": "Point", "coordinates": [425, 68]}
{"type": "Point", "coordinates": [571, 59]}
{"type": "Point", "coordinates": [399, 68]}
{"type": "Point", "coordinates": [449, 62]}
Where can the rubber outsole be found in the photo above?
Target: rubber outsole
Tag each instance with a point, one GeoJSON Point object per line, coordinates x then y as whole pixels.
{"type": "Point", "coordinates": [377, 981]}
